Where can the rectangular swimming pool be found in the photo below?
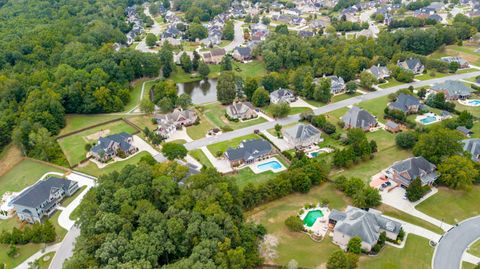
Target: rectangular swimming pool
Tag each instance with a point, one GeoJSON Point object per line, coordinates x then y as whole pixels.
{"type": "Point", "coordinates": [428, 119]}
{"type": "Point", "coordinates": [272, 165]}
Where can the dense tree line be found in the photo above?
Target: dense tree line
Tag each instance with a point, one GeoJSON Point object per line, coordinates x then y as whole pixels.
{"type": "Point", "coordinates": [358, 148]}
{"type": "Point", "coordinates": [57, 58]}
{"type": "Point", "coordinates": [204, 10]}
{"type": "Point", "coordinates": [411, 21]}
{"type": "Point", "coordinates": [142, 217]}
{"type": "Point", "coordinates": [36, 233]}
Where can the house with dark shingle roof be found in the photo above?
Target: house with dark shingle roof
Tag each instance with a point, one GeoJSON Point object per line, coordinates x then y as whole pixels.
{"type": "Point", "coordinates": [412, 64]}
{"type": "Point", "coordinates": [453, 90]}
{"type": "Point", "coordinates": [472, 146]}
{"type": "Point", "coordinates": [404, 172]}
{"type": "Point", "coordinates": [302, 135]}
{"type": "Point", "coordinates": [359, 118]}
{"type": "Point", "coordinates": [241, 110]}
{"type": "Point", "coordinates": [466, 132]}
{"type": "Point", "coordinates": [249, 151]}
{"type": "Point", "coordinates": [406, 103]}
{"type": "Point", "coordinates": [455, 59]}
{"type": "Point", "coordinates": [379, 72]}
{"type": "Point", "coordinates": [41, 199]}
{"type": "Point", "coordinates": [109, 146]}
{"type": "Point", "coordinates": [392, 127]}
{"type": "Point", "coordinates": [282, 95]}
{"type": "Point", "coordinates": [242, 54]}
{"type": "Point", "coordinates": [368, 225]}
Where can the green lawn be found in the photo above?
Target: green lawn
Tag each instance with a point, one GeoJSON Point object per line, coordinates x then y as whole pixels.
{"type": "Point", "coordinates": [395, 213]}
{"type": "Point", "coordinates": [251, 69]}
{"type": "Point", "coordinates": [78, 121]}
{"type": "Point", "coordinates": [391, 83]}
{"type": "Point", "coordinates": [466, 70]}
{"type": "Point", "coordinates": [452, 206]}
{"type": "Point", "coordinates": [293, 110]}
{"type": "Point", "coordinates": [475, 248]}
{"type": "Point", "coordinates": [336, 98]}
{"type": "Point", "coordinates": [143, 121]}
{"type": "Point", "coordinates": [246, 175]}
{"type": "Point", "coordinates": [74, 146]}
{"type": "Point", "coordinates": [201, 157]}
{"type": "Point", "coordinates": [427, 76]}
{"type": "Point", "coordinates": [23, 175]}
{"type": "Point", "coordinates": [384, 139]}
{"type": "Point", "coordinates": [67, 200]}
{"type": "Point", "coordinates": [467, 52]}
{"type": "Point", "coordinates": [179, 76]}
{"type": "Point", "coordinates": [416, 254]}
{"type": "Point", "coordinates": [200, 130]}
{"type": "Point", "coordinates": [292, 245]}
{"type": "Point", "coordinates": [475, 111]}
{"type": "Point", "coordinates": [92, 169]}
{"type": "Point", "coordinates": [375, 106]}
{"type": "Point", "coordinates": [223, 146]}
{"type": "Point", "coordinates": [45, 264]}
{"type": "Point", "coordinates": [215, 113]}
{"type": "Point", "coordinates": [467, 265]}
{"type": "Point", "coordinates": [135, 94]}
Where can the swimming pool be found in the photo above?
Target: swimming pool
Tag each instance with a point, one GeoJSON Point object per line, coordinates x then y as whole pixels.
{"type": "Point", "coordinates": [272, 165]}
{"type": "Point", "coordinates": [428, 120]}
{"type": "Point", "coordinates": [473, 102]}
{"type": "Point", "coordinates": [311, 217]}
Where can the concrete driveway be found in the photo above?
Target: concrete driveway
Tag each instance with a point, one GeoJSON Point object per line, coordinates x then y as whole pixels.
{"type": "Point", "coordinates": [450, 250]}
{"type": "Point", "coordinates": [238, 39]}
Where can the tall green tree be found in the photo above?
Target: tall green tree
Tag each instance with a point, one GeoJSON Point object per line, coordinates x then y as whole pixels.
{"type": "Point", "coordinates": [323, 91]}
{"type": "Point", "coordinates": [438, 144]}
{"type": "Point", "coordinates": [226, 88]}
{"type": "Point", "coordinates": [186, 62]}
{"type": "Point", "coordinates": [458, 172]}
{"type": "Point", "coordinates": [166, 59]}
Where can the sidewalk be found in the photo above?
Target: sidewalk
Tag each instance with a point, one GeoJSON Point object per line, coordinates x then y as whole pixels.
{"type": "Point", "coordinates": [222, 166]}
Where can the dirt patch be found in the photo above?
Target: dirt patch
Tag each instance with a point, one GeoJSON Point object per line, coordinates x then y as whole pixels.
{"type": "Point", "coordinates": [97, 135]}
{"type": "Point", "coordinates": [9, 158]}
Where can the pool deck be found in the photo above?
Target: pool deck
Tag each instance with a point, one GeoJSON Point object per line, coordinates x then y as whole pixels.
{"type": "Point", "coordinates": [427, 115]}
{"type": "Point", "coordinates": [320, 226]}
{"type": "Point", "coordinates": [255, 169]}
{"type": "Point", "coordinates": [467, 102]}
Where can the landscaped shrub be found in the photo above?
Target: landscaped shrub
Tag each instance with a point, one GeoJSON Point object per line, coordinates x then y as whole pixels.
{"type": "Point", "coordinates": [294, 224]}
{"type": "Point", "coordinates": [37, 233]}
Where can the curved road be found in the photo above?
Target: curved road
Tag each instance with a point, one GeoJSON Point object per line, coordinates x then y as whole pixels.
{"type": "Point", "coordinates": [449, 251]}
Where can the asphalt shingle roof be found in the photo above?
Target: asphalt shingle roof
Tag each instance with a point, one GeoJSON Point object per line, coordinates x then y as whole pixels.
{"type": "Point", "coordinates": [40, 191]}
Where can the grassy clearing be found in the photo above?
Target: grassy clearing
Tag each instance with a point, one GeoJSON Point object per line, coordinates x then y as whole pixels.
{"type": "Point", "coordinates": [427, 76]}
{"type": "Point", "coordinates": [375, 106]}
{"type": "Point", "coordinates": [9, 157]}
{"type": "Point", "coordinates": [143, 121]}
{"type": "Point", "coordinates": [475, 111]}
{"type": "Point", "coordinates": [223, 146]}
{"type": "Point", "coordinates": [466, 70]}
{"type": "Point", "coordinates": [416, 254]}
{"type": "Point", "coordinates": [296, 245]}
{"type": "Point", "coordinates": [23, 175]}
{"type": "Point", "coordinates": [452, 206]}
{"type": "Point", "coordinates": [251, 69]}
{"type": "Point", "coordinates": [391, 83]}
{"type": "Point", "coordinates": [45, 264]}
{"type": "Point", "coordinates": [200, 130]}
{"type": "Point", "coordinates": [467, 52]}
{"type": "Point", "coordinates": [246, 175]}
{"type": "Point", "coordinates": [215, 113]}
{"type": "Point", "coordinates": [179, 76]}
{"type": "Point", "coordinates": [78, 121]}
{"type": "Point", "coordinates": [201, 157]}
{"type": "Point", "coordinates": [74, 146]}
{"type": "Point", "coordinates": [92, 169]}
{"type": "Point", "coordinates": [293, 110]}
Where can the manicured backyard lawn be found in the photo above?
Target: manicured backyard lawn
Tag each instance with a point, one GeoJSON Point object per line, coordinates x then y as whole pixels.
{"type": "Point", "coordinates": [292, 245]}
{"type": "Point", "coordinates": [201, 157]}
{"type": "Point", "coordinates": [293, 110]}
{"type": "Point", "coordinates": [427, 76]}
{"type": "Point", "coordinates": [246, 175]}
{"type": "Point", "coordinates": [384, 139]}
{"type": "Point", "coordinates": [223, 146]}
{"type": "Point", "coordinates": [143, 121]}
{"type": "Point", "coordinates": [417, 254]}
{"type": "Point", "coordinates": [336, 98]}
{"type": "Point", "coordinates": [92, 169]}
{"type": "Point", "coordinates": [475, 111]}
{"type": "Point", "coordinates": [216, 114]}
{"type": "Point", "coordinates": [74, 146]}
{"type": "Point", "coordinates": [452, 206]}
{"type": "Point", "coordinates": [251, 69]}
{"type": "Point", "coordinates": [200, 130]}
{"type": "Point", "coordinates": [391, 83]}
{"type": "Point", "coordinates": [23, 175]}
{"type": "Point", "coordinates": [376, 106]}
{"type": "Point", "coordinates": [78, 121]}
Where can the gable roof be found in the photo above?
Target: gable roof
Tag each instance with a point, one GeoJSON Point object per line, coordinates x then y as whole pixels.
{"type": "Point", "coordinates": [411, 168]}
{"type": "Point", "coordinates": [106, 144]}
{"type": "Point", "coordinates": [404, 101]}
{"type": "Point", "coordinates": [379, 71]}
{"type": "Point", "coordinates": [281, 93]}
{"type": "Point", "coordinates": [240, 107]}
{"type": "Point", "coordinates": [410, 63]}
{"type": "Point", "coordinates": [249, 150]}
{"type": "Point", "coordinates": [358, 118]}
{"type": "Point", "coordinates": [464, 130]}
{"type": "Point", "coordinates": [453, 87]}
{"type": "Point", "coordinates": [302, 131]}
{"type": "Point", "coordinates": [244, 51]}
{"type": "Point", "coordinates": [40, 192]}
{"type": "Point", "coordinates": [473, 147]}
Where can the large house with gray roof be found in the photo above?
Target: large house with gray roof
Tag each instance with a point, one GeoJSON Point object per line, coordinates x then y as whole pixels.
{"type": "Point", "coordinates": [412, 64]}
{"type": "Point", "coordinates": [110, 146]}
{"type": "Point", "coordinates": [302, 135]}
{"type": "Point", "coordinates": [41, 199]}
{"type": "Point", "coordinates": [249, 151]}
{"type": "Point", "coordinates": [282, 96]}
{"type": "Point", "coordinates": [368, 225]}
{"type": "Point", "coordinates": [359, 118]}
{"type": "Point", "coordinates": [405, 171]}
{"type": "Point", "coordinates": [453, 90]}
{"type": "Point", "coordinates": [472, 146]}
{"type": "Point", "coordinates": [406, 103]}
{"type": "Point", "coordinates": [170, 122]}
{"type": "Point", "coordinates": [379, 72]}
{"type": "Point", "coordinates": [241, 111]}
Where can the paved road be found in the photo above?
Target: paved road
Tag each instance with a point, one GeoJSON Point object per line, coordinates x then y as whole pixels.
{"type": "Point", "coordinates": [155, 29]}
{"type": "Point", "coordinates": [448, 253]}
{"type": "Point", "coordinates": [238, 39]}
{"type": "Point", "coordinates": [321, 110]}
{"type": "Point", "coordinates": [65, 250]}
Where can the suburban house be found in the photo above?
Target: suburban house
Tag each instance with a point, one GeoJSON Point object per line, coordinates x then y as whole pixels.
{"type": "Point", "coordinates": [412, 64]}
{"type": "Point", "coordinates": [41, 199]}
{"type": "Point", "coordinates": [242, 54]}
{"type": "Point", "coordinates": [453, 89]}
{"type": "Point", "coordinates": [406, 103]}
{"type": "Point", "coordinates": [248, 152]}
{"type": "Point", "coordinates": [472, 146]}
{"type": "Point", "coordinates": [110, 146]}
{"type": "Point", "coordinates": [359, 118]}
{"type": "Point", "coordinates": [392, 127]}
{"type": "Point", "coordinates": [214, 56]}
{"type": "Point", "coordinates": [169, 123]}
{"type": "Point", "coordinates": [455, 59]}
{"type": "Point", "coordinates": [241, 110]}
{"type": "Point", "coordinates": [379, 72]}
{"type": "Point", "coordinates": [337, 84]}
{"type": "Point", "coordinates": [368, 225]}
{"type": "Point", "coordinates": [405, 171]}
{"type": "Point", "coordinates": [282, 95]}
{"type": "Point", "coordinates": [466, 132]}
{"type": "Point", "coordinates": [302, 135]}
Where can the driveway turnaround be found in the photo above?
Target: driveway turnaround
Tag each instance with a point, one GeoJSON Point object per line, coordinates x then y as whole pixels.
{"type": "Point", "coordinates": [321, 110]}
{"type": "Point", "coordinates": [450, 249]}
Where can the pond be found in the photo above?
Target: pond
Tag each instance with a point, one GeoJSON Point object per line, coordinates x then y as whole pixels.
{"type": "Point", "coordinates": [203, 91]}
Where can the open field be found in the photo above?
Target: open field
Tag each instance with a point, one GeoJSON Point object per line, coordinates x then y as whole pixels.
{"type": "Point", "coordinates": [223, 146]}
{"type": "Point", "coordinates": [23, 175]}
{"type": "Point", "coordinates": [391, 83]}
{"type": "Point", "coordinates": [215, 113]}
{"type": "Point", "coordinates": [251, 69]}
{"type": "Point", "coordinates": [475, 111]}
{"type": "Point", "coordinates": [336, 98]}
{"type": "Point", "coordinates": [92, 169]}
{"type": "Point", "coordinates": [135, 93]}
{"type": "Point", "coordinates": [179, 76]}
{"type": "Point", "coordinates": [143, 121]}
{"type": "Point", "coordinates": [293, 110]}
{"type": "Point", "coordinates": [416, 254]}
{"type": "Point", "coordinates": [74, 146]}
{"type": "Point", "coordinates": [467, 52]}
{"type": "Point", "coordinates": [246, 175]}
{"type": "Point", "coordinates": [78, 121]}
{"type": "Point", "coordinates": [452, 206]}
{"type": "Point", "coordinates": [201, 157]}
